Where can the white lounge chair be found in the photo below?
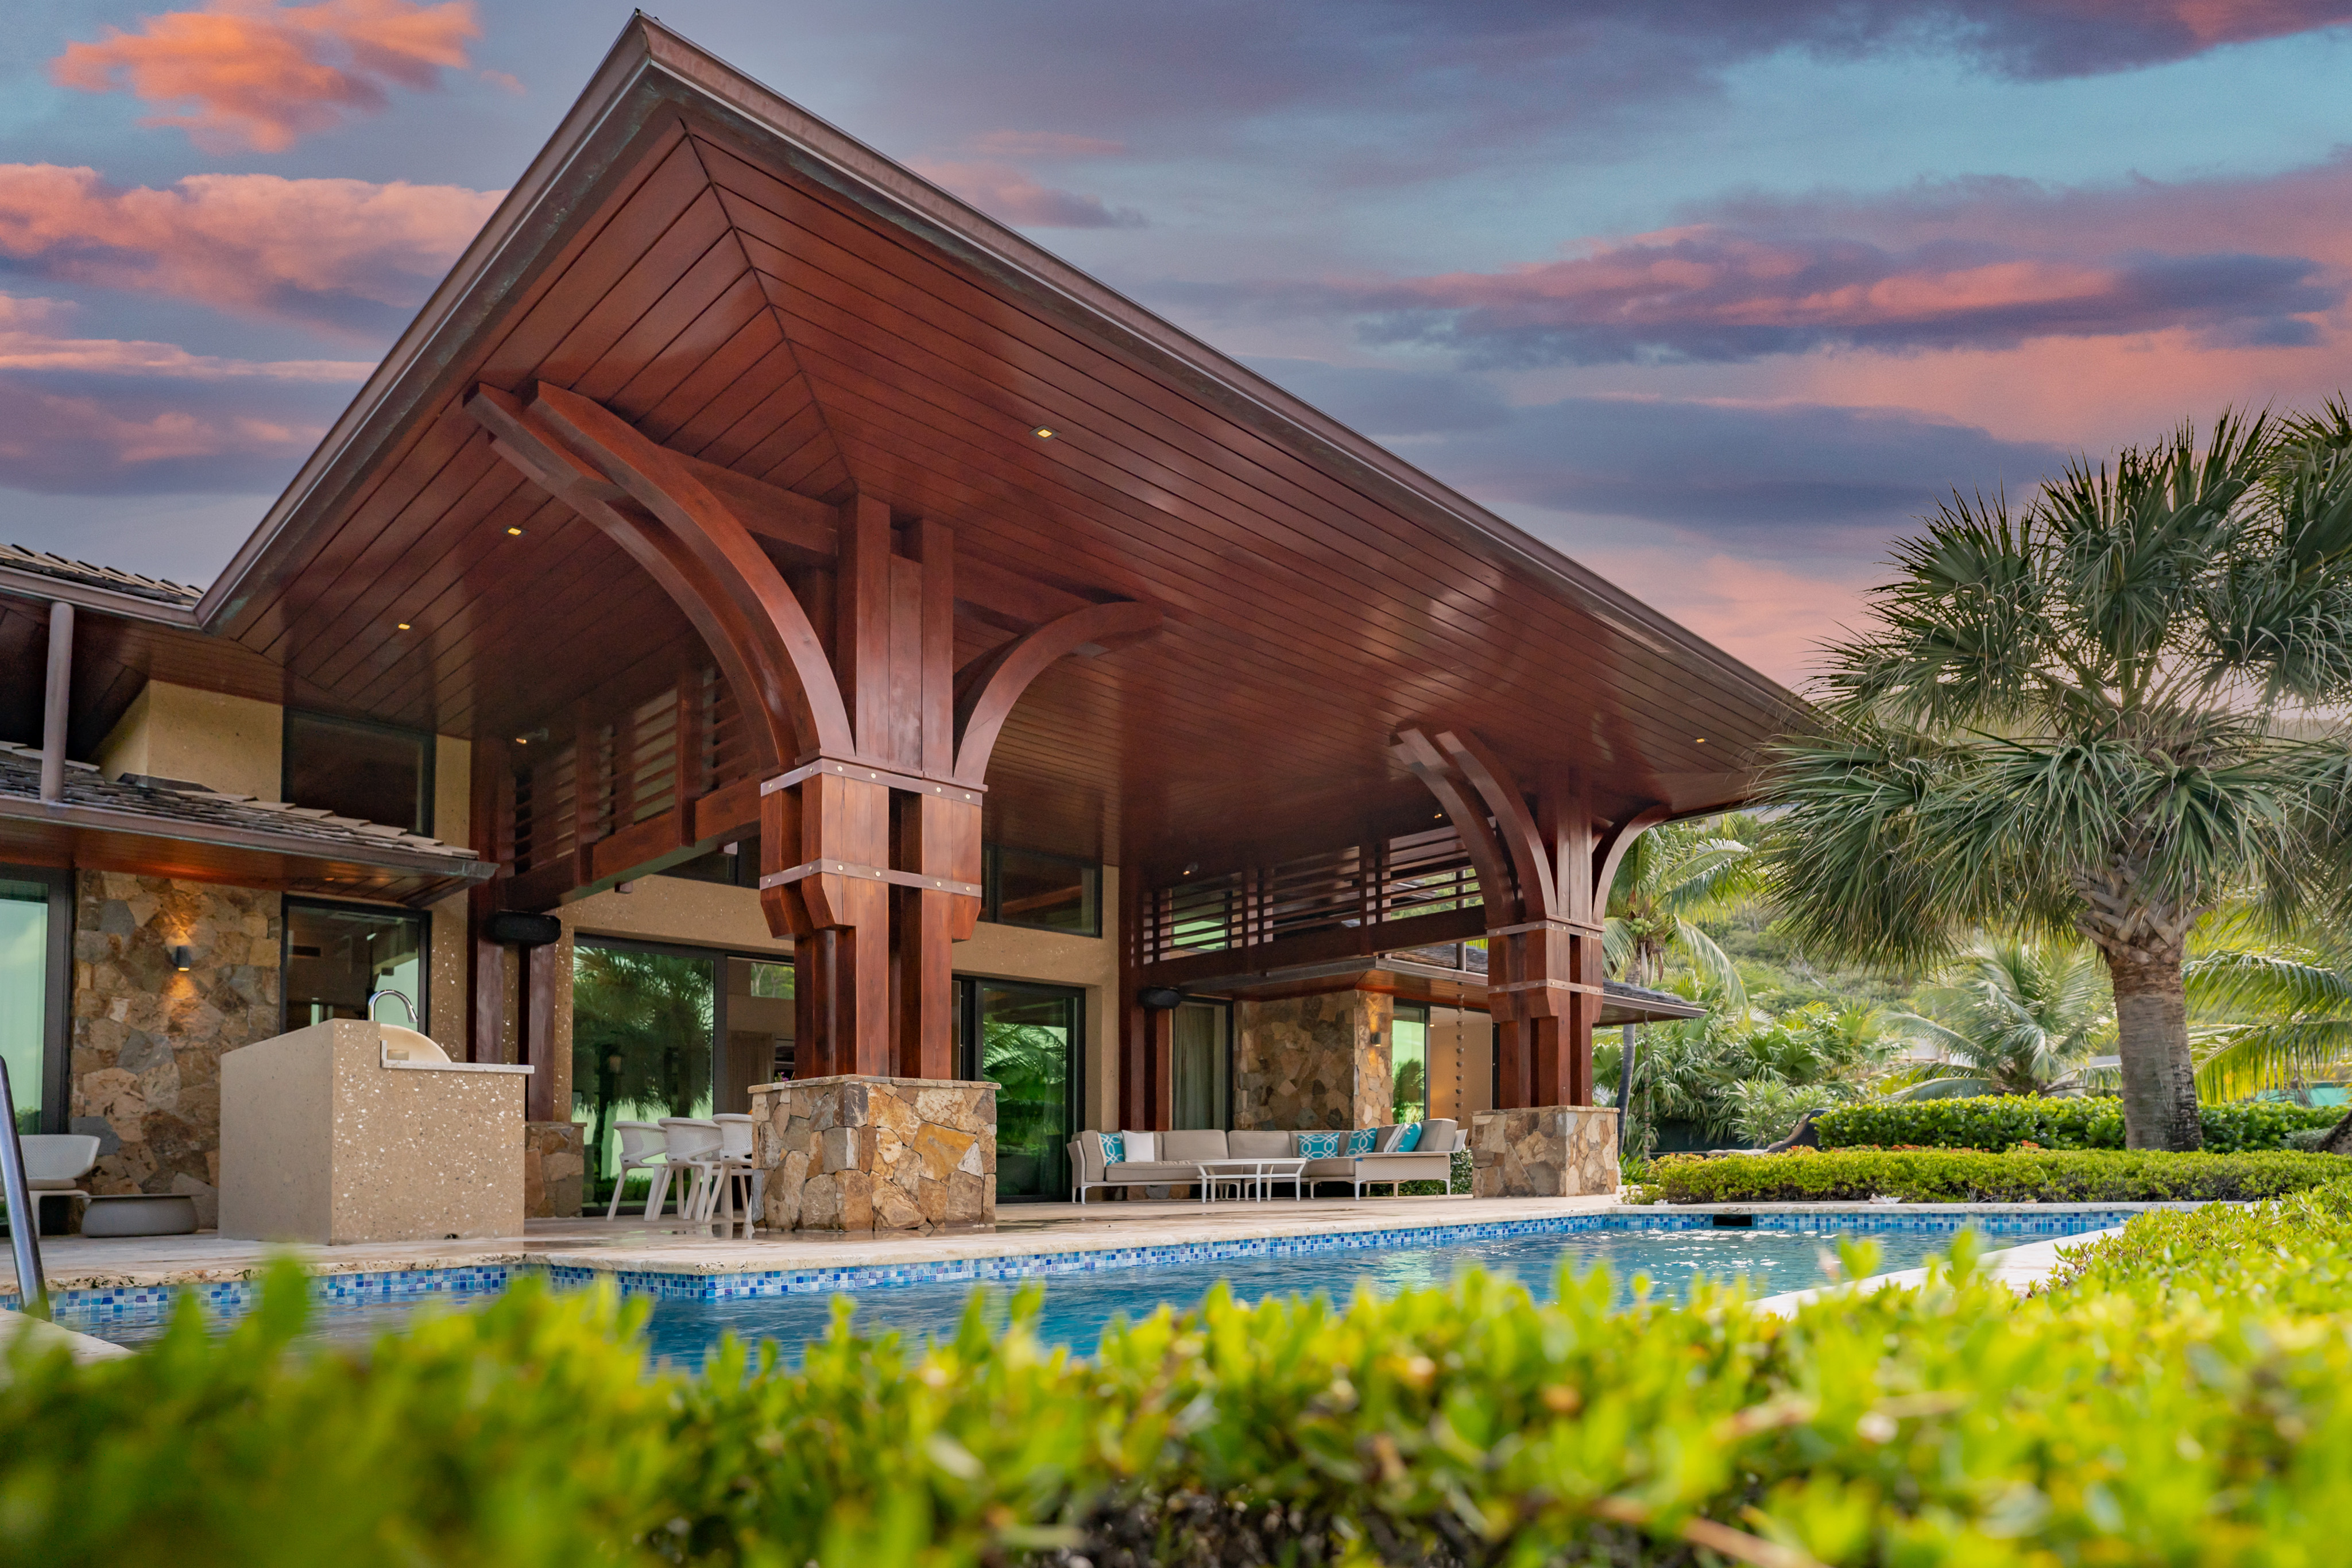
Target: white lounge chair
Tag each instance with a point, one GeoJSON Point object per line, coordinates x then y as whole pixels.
{"type": "Point", "coordinates": [644, 1148]}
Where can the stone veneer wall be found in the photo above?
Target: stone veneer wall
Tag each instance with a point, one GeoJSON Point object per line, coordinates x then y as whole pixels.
{"type": "Point", "coordinates": [554, 1168]}
{"type": "Point", "coordinates": [1544, 1151]}
{"type": "Point", "coordinates": [1314, 1061]}
{"type": "Point", "coordinates": [858, 1152]}
{"type": "Point", "coordinates": [147, 1040]}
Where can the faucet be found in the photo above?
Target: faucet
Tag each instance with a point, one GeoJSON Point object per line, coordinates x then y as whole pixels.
{"type": "Point", "coordinates": [374, 997]}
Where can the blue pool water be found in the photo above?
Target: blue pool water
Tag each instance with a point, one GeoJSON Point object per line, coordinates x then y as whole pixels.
{"type": "Point", "coordinates": [1079, 1306]}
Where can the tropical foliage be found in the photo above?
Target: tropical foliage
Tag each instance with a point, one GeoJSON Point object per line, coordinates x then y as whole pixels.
{"type": "Point", "coordinates": [1671, 877]}
{"type": "Point", "coordinates": [1973, 1175]}
{"type": "Point", "coordinates": [2014, 1016]}
{"type": "Point", "coordinates": [2273, 1018]}
{"type": "Point", "coordinates": [2106, 714]}
{"type": "Point", "coordinates": [1747, 1078]}
{"type": "Point", "coordinates": [2184, 1396]}
{"type": "Point", "coordinates": [2089, 1122]}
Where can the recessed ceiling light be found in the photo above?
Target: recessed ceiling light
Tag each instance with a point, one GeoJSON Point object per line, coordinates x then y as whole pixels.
{"type": "Point", "coordinates": [522, 740]}
{"type": "Point", "coordinates": [1702, 741]}
{"type": "Point", "coordinates": [516, 532]}
{"type": "Point", "coordinates": [403, 625]}
{"type": "Point", "coordinates": [1044, 432]}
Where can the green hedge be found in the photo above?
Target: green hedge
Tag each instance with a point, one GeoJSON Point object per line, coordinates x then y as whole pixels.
{"type": "Point", "coordinates": [2130, 1420]}
{"type": "Point", "coordinates": [1999, 1121]}
{"type": "Point", "coordinates": [1971, 1176]}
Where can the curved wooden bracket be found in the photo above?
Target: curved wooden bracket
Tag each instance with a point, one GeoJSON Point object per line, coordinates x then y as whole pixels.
{"type": "Point", "coordinates": [695, 547]}
{"type": "Point", "coordinates": [989, 691]}
{"type": "Point", "coordinates": [1431, 765]}
{"type": "Point", "coordinates": [1515, 825]}
{"type": "Point", "coordinates": [1610, 853]}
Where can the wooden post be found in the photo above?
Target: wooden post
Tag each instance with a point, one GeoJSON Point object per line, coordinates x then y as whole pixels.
{"type": "Point", "coordinates": [870, 827]}
{"type": "Point", "coordinates": [492, 838]}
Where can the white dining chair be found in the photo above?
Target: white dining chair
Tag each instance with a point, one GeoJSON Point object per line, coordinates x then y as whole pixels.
{"type": "Point", "coordinates": [643, 1148]}
{"type": "Point", "coordinates": [735, 1170]}
{"type": "Point", "coordinates": [691, 1144]}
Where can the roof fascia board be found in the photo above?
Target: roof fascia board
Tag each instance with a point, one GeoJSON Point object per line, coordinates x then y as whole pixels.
{"type": "Point", "coordinates": [98, 818]}
{"type": "Point", "coordinates": [88, 596]}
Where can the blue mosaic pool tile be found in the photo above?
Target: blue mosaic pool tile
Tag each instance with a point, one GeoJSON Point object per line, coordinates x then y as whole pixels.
{"type": "Point", "coordinates": [80, 1307]}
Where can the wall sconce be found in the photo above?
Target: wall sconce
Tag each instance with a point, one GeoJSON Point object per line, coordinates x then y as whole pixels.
{"type": "Point", "coordinates": [182, 958]}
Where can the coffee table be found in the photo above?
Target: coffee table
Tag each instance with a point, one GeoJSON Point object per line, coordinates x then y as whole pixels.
{"type": "Point", "coordinates": [1246, 1174]}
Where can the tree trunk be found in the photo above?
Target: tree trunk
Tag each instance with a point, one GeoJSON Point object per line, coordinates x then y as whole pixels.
{"type": "Point", "coordinates": [2152, 1038]}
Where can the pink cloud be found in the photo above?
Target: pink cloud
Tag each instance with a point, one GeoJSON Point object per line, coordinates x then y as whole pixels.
{"type": "Point", "coordinates": [31, 338]}
{"type": "Point", "coordinates": [306, 249]}
{"type": "Point", "coordinates": [1759, 611]}
{"type": "Point", "coordinates": [255, 73]}
{"type": "Point", "coordinates": [59, 441]}
{"type": "Point", "coordinates": [1007, 194]}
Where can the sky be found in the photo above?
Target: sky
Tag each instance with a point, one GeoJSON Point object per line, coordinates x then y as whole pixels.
{"type": "Point", "coordinates": [1716, 295]}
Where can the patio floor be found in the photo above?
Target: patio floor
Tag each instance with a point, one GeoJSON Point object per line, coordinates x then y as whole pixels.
{"type": "Point", "coordinates": [75, 1262]}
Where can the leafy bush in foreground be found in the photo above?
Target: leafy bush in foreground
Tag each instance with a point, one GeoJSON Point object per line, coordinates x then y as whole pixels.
{"type": "Point", "coordinates": [2004, 1121]}
{"type": "Point", "coordinates": [2108, 1423]}
{"type": "Point", "coordinates": [1970, 1175]}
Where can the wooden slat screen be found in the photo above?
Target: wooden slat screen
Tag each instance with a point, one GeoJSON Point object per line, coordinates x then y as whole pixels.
{"type": "Point", "coordinates": [1414, 874]}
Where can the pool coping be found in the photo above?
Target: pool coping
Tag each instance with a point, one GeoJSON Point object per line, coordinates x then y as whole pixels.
{"type": "Point", "coordinates": [1016, 1259]}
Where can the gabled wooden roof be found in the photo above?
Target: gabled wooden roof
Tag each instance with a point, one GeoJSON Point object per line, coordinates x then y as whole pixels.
{"type": "Point", "coordinates": [749, 285]}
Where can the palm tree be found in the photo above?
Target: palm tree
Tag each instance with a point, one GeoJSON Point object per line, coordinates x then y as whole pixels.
{"type": "Point", "coordinates": [2014, 1016]}
{"type": "Point", "coordinates": [2277, 1016]}
{"type": "Point", "coordinates": [2107, 715]}
{"type": "Point", "coordinates": [1671, 875]}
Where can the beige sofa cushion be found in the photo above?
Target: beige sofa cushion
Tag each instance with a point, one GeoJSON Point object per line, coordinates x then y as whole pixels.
{"type": "Point", "coordinates": [1192, 1143]}
{"type": "Point", "coordinates": [1261, 1144]}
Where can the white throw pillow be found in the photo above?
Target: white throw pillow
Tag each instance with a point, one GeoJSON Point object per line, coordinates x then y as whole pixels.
{"type": "Point", "coordinates": [1142, 1148]}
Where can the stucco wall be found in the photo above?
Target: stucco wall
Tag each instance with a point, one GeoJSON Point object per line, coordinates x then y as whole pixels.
{"type": "Point", "coordinates": [147, 1040]}
{"type": "Point", "coordinates": [236, 745]}
{"type": "Point", "coordinates": [1313, 1062]}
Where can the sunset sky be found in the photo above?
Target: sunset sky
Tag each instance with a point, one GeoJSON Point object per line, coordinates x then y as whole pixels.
{"type": "Point", "coordinates": [1715, 294]}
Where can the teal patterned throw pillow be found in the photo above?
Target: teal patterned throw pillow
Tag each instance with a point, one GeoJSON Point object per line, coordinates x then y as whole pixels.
{"type": "Point", "coordinates": [1362, 1140]}
{"type": "Point", "coordinates": [1114, 1147]}
{"type": "Point", "coordinates": [1318, 1145]}
{"type": "Point", "coordinates": [1409, 1140]}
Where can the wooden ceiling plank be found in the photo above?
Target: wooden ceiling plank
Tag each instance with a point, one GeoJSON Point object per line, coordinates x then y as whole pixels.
{"type": "Point", "coordinates": [739, 356]}
{"type": "Point", "coordinates": [740, 314]}
{"type": "Point", "coordinates": [670, 255]}
{"type": "Point", "coordinates": [716, 275]}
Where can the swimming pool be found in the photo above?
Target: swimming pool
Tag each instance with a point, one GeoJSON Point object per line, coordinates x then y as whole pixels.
{"type": "Point", "coordinates": [1085, 1291]}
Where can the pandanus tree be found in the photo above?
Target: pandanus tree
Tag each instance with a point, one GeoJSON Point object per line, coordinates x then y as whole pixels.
{"type": "Point", "coordinates": [2106, 714]}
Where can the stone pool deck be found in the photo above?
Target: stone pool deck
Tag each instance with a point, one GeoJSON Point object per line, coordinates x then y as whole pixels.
{"type": "Point", "coordinates": [635, 1246]}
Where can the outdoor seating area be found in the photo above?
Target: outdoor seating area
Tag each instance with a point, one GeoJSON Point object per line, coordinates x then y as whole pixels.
{"type": "Point", "coordinates": [1251, 1162]}
{"type": "Point", "coordinates": [702, 1166]}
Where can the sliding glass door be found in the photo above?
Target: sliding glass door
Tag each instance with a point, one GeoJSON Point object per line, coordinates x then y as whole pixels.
{"type": "Point", "coordinates": [35, 913]}
{"type": "Point", "coordinates": [1024, 1038]}
{"type": "Point", "coordinates": [1199, 1070]}
{"type": "Point", "coordinates": [643, 1030]}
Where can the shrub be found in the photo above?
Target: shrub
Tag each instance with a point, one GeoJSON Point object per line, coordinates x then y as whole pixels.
{"type": "Point", "coordinates": [1967, 1176]}
{"type": "Point", "coordinates": [2004, 1121]}
{"type": "Point", "coordinates": [1950, 1425]}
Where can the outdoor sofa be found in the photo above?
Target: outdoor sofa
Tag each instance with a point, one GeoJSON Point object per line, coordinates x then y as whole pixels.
{"type": "Point", "coordinates": [1431, 1160]}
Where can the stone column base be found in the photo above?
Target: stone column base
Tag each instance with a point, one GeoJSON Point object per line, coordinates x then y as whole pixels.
{"type": "Point", "coordinates": [554, 1168]}
{"type": "Point", "coordinates": [1544, 1151]}
{"type": "Point", "coordinates": [859, 1152]}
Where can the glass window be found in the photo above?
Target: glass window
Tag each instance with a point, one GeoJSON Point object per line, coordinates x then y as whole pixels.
{"type": "Point", "coordinates": [1408, 1062]}
{"type": "Point", "coordinates": [1026, 887]}
{"type": "Point", "coordinates": [759, 1028]}
{"type": "Point", "coordinates": [1024, 1038]}
{"type": "Point", "coordinates": [643, 1031]}
{"type": "Point", "coordinates": [1198, 1069]}
{"type": "Point", "coordinates": [336, 953]}
{"type": "Point", "coordinates": [352, 768]}
{"type": "Point", "coordinates": [26, 1004]}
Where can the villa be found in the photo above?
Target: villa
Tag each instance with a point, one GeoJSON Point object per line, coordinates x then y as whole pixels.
{"type": "Point", "coordinates": [757, 578]}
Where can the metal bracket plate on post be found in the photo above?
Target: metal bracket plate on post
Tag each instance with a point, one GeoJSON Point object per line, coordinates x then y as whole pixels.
{"type": "Point", "coordinates": [807, 869]}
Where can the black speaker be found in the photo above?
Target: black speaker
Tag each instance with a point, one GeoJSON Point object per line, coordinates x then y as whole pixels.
{"type": "Point", "coordinates": [519, 928]}
{"type": "Point", "coordinates": [1159, 999]}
